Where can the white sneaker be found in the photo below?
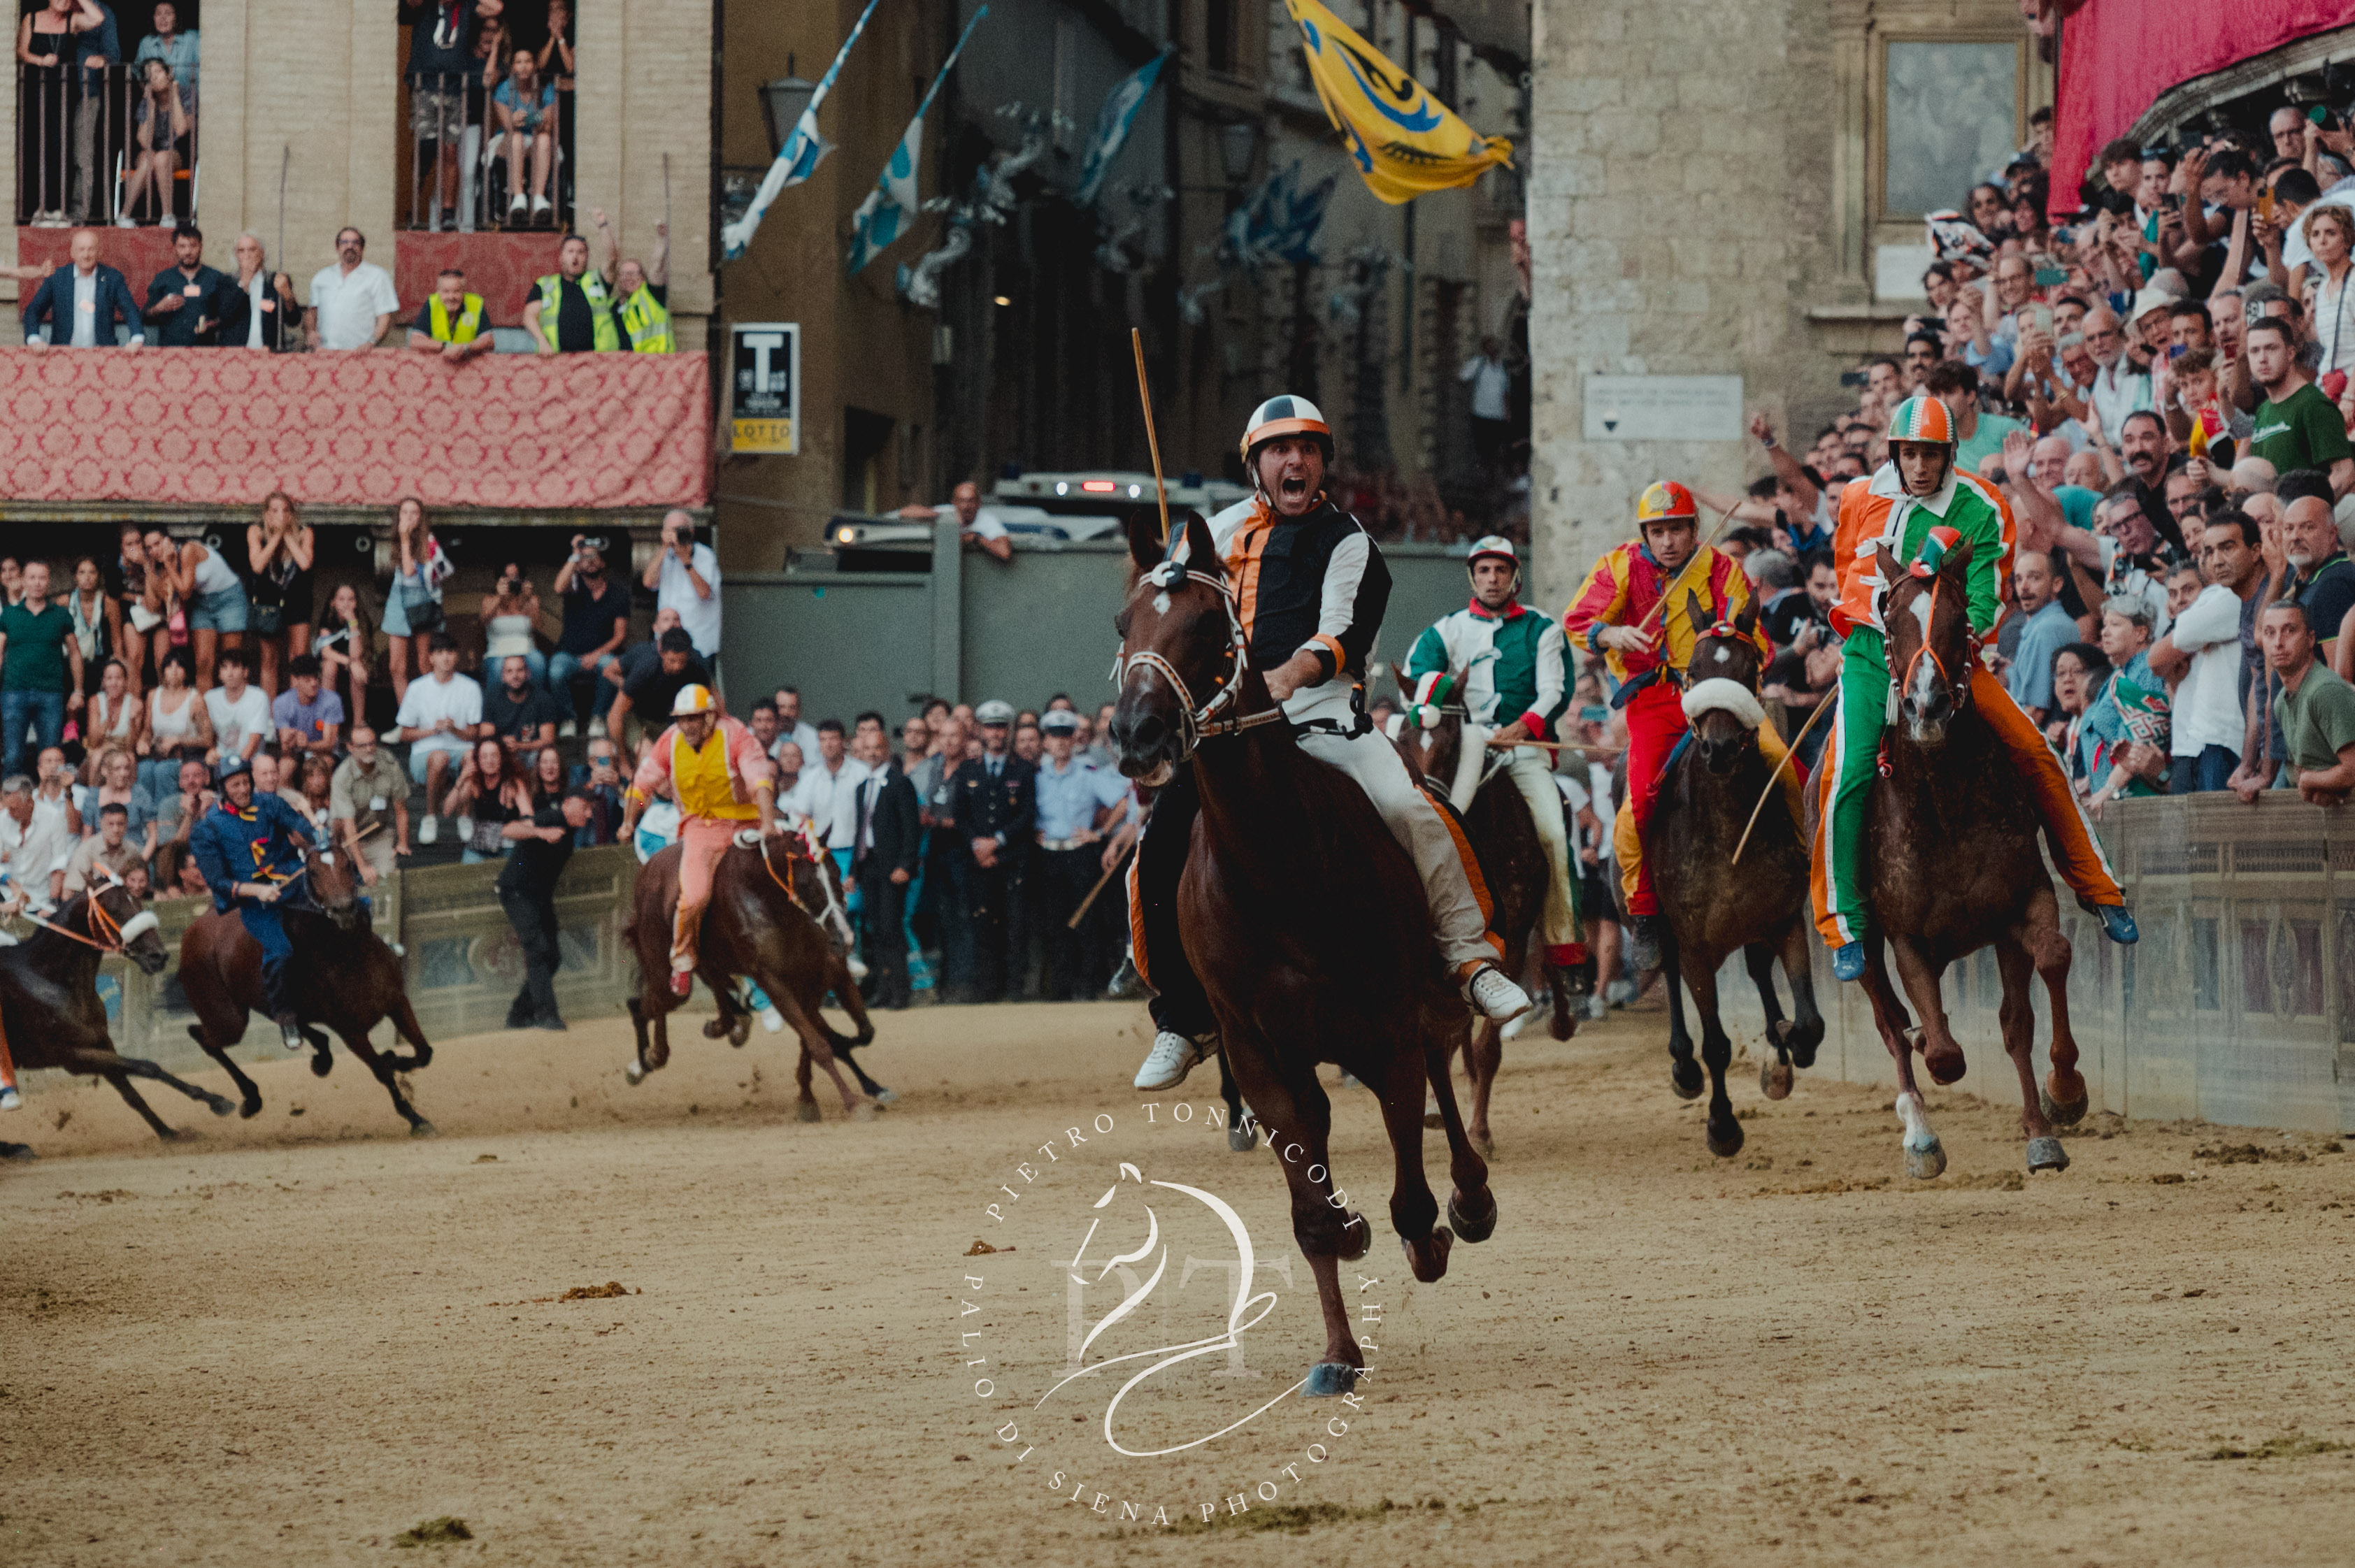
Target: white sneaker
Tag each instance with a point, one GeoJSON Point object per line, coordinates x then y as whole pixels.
{"type": "Point", "coordinates": [1494, 993]}
{"type": "Point", "coordinates": [856, 965]}
{"type": "Point", "coordinates": [567, 730]}
{"type": "Point", "coordinates": [1598, 1008]}
{"type": "Point", "coordinates": [10, 1099]}
{"type": "Point", "coordinates": [126, 221]}
{"type": "Point", "coordinates": [596, 729]}
{"type": "Point", "coordinates": [429, 830]}
{"type": "Point", "coordinates": [539, 206]}
{"type": "Point", "coordinates": [1172, 1057]}
{"type": "Point", "coordinates": [466, 829]}
{"type": "Point", "coordinates": [519, 207]}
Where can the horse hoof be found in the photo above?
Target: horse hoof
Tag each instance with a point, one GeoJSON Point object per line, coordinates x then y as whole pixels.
{"type": "Point", "coordinates": [1429, 1262]}
{"type": "Point", "coordinates": [1725, 1141]}
{"type": "Point", "coordinates": [322, 1064]}
{"type": "Point", "coordinates": [1357, 1237]}
{"type": "Point", "coordinates": [1471, 1228]}
{"type": "Point", "coordinates": [1781, 1031]}
{"type": "Point", "coordinates": [1242, 1140]}
{"type": "Point", "coordinates": [635, 1071]}
{"type": "Point", "coordinates": [1327, 1379]}
{"type": "Point", "coordinates": [2062, 1114]}
{"type": "Point", "coordinates": [865, 1110]}
{"type": "Point", "coordinates": [1774, 1078]}
{"type": "Point", "coordinates": [805, 1111]}
{"type": "Point", "coordinates": [420, 1128]}
{"type": "Point", "coordinates": [713, 1028]}
{"type": "Point", "coordinates": [2046, 1154]}
{"type": "Point", "coordinates": [17, 1152]}
{"type": "Point", "coordinates": [250, 1108]}
{"type": "Point", "coordinates": [885, 1097]}
{"type": "Point", "coordinates": [219, 1106]}
{"type": "Point", "coordinates": [1431, 1117]}
{"type": "Point", "coordinates": [1564, 1025]}
{"type": "Point", "coordinates": [1685, 1077]}
{"type": "Point", "coordinates": [1926, 1164]}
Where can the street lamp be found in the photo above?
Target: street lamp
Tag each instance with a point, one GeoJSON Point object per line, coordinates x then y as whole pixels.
{"type": "Point", "coordinates": [782, 101]}
{"type": "Point", "coordinates": [1237, 145]}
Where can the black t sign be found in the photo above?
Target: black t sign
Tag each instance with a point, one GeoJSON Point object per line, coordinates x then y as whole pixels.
{"type": "Point", "coordinates": [765, 377]}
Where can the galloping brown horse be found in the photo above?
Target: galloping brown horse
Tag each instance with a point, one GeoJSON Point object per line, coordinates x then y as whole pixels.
{"type": "Point", "coordinates": [764, 922]}
{"type": "Point", "coordinates": [342, 977]}
{"type": "Point", "coordinates": [1714, 906]}
{"type": "Point", "coordinates": [1512, 861]}
{"type": "Point", "coordinates": [48, 997]}
{"type": "Point", "coordinates": [1951, 839]}
{"type": "Point", "coordinates": [1304, 920]}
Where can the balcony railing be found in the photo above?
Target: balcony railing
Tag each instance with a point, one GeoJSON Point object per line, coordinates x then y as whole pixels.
{"type": "Point", "coordinates": [103, 146]}
{"type": "Point", "coordinates": [470, 182]}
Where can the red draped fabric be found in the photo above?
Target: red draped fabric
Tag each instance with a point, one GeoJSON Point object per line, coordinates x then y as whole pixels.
{"type": "Point", "coordinates": [228, 426]}
{"type": "Point", "coordinates": [2117, 56]}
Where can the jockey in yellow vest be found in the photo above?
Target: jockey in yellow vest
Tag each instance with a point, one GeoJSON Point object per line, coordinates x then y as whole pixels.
{"type": "Point", "coordinates": [727, 794]}
{"type": "Point", "coordinates": [451, 324]}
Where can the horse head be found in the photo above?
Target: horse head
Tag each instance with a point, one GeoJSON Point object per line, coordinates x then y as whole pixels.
{"type": "Point", "coordinates": [116, 911]}
{"type": "Point", "coordinates": [1721, 685]}
{"type": "Point", "coordinates": [333, 882]}
{"type": "Point", "coordinates": [1926, 618]}
{"type": "Point", "coordinates": [1429, 753]}
{"type": "Point", "coordinates": [1182, 657]}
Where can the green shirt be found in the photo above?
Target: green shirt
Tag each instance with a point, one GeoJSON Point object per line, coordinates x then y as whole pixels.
{"type": "Point", "coordinates": [35, 658]}
{"type": "Point", "coordinates": [1985, 440]}
{"type": "Point", "coordinates": [2318, 719]}
{"type": "Point", "coordinates": [2302, 431]}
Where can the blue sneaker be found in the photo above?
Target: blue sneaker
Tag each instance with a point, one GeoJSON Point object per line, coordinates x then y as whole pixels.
{"type": "Point", "coordinates": [1848, 962]}
{"type": "Point", "coordinates": [2117, 924]}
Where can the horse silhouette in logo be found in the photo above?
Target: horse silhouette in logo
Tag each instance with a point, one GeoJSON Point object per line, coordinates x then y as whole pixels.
{"type": "Point", "coordinates": [1244, 1309]}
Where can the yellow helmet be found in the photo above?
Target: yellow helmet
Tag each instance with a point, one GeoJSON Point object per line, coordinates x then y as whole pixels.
{"type": "Point", "coordinates": [693, 699]}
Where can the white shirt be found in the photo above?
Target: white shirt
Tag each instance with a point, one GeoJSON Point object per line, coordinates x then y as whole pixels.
{"type": "Point", "coordinates": [349, 306]}
{"type": "Point", "coordinates": [235, 723]}
{"type": "Point", "coordinates": [804, 734]}
{"type": "Point", "coordinates": [1492, 388]}
{"type": "Point", "coordinates": [258, 295]}
{"type": "Point", "coordinates": [85, 311]}
{"type": "Point", "coordinates": [29, 854]}
{"type": "Point", "coordinates": [986, 524]}
{"type": "Point", "coordinates": [828, 799]}
{"type": "Point", "coordinates": [2118, 390]}
{"type": "Point", "coordinates": [2208, 703]}
{"type": "Point", "coordinates": [700, 616]}
{"type": "Point", "coordinates": [432, 699]}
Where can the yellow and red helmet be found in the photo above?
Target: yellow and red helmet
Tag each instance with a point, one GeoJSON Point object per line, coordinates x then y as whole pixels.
{"type": "Point", "coordinates": [1920, 419]}
{"type": "Point", "coordinates": [1664, 501]}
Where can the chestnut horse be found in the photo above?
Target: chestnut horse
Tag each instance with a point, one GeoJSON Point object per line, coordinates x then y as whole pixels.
{"type": "Point", "coordinates": [49, 997]}
{"type": "Point", "coordinates": [1504, 839]}
{"type": "Point", "coordinates": [767, 921]}
{"type": "Point", "coordinates": [1951, 841]}
{"type": "Point", "coordinates": [1711, 907]}
{"type": "Point", "coordinates": [342, 976]}
{"type": "Point", "coordinates": [1304, 918]}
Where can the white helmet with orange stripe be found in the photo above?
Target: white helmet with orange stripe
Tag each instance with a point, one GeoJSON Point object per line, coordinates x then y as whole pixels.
{"type": "Point", "coordinates": [1280, 415]}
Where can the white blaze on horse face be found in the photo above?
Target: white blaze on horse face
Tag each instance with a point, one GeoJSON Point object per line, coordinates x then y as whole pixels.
{"type": "Point", "coordinates": [1721, 656]}
{"type": "Point", "coordinates": [1925, 686]}
{"type": "Point", "coordinates": [1920, 607]}
{"type": "Point", "coordinates": [1161, 603]}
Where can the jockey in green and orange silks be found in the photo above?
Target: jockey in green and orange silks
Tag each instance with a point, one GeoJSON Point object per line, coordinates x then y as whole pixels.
{"type": "Point", "coordinates": [1920, 506]}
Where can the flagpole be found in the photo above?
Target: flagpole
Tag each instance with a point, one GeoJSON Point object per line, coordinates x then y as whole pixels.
{"type": "Point", "coordinates": [882, 196]}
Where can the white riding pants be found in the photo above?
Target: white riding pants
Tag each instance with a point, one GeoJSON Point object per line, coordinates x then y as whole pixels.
{"type": "Point", "coordinates": [1532, 771]}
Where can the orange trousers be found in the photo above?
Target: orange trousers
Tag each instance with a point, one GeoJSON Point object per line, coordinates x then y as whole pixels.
{"type": "Point", "coordinates": [701, 842]}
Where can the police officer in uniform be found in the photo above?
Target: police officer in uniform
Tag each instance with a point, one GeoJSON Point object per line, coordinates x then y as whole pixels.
{"type": "Point", "coordinates": [1074, 797]}
{"type": "Point", "coordinates": [993, 814]}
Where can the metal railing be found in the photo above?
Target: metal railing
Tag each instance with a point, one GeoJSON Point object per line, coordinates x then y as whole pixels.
{"type": "Point", "coordinates": [465, 170]}
{"type": "Point", "coordinates": [97, 146]}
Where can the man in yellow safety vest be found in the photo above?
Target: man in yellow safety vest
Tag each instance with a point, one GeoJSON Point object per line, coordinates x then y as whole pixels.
{"type": "Point", "coordinates": [571, 311]}
{"type": "Point", "coordinates": [450, 324]}
{"type": "Point", "coordinates": [642, 294]}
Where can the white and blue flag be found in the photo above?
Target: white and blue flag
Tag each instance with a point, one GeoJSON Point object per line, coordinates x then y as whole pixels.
{"type": "Point", "coordinates": [890, 207]}
{"type": "Point", "coordinates": [1112, 122]}
{"type": "Point", "coordinates": [805, 149]}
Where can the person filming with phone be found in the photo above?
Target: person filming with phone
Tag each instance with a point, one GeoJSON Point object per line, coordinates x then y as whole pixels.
{"type": "Point", "coordinates": [686, 578]}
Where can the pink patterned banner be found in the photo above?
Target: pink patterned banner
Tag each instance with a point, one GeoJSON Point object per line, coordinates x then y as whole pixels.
{"type": "Point", "coordinates": [204, 425]}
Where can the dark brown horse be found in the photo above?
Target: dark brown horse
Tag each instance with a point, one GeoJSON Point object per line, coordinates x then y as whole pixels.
{"type": "Point", "coordinates": [343, 978]}
{"type": "Point", "coordinates": [1504, 839]}
{"type": "Point", "coordinates": [1714, 907]}
{"type": "Point", "coordinates": [48, 997]}
{"type": "Point", "coordinates": [1304, 920]}
{"type": "Point", "coordinates": [769, 922]}
{"type": "Point", "coordinates": [1951, 841]}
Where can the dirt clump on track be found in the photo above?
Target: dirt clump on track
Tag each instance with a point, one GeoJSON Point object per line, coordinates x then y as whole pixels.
{"type": "Point", "coordinates": [287, 1342]}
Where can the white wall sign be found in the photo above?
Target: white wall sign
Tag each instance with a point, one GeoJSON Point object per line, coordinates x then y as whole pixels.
{"type": "Point", "coordinates": [1663, 408]}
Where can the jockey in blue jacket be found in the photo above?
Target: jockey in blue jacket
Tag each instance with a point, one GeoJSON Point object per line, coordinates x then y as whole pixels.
{"type": "Point", "coordinates": [248, 847]}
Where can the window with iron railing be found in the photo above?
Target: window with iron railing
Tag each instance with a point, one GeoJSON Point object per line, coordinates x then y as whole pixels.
{"type": "Point", "coordinates": [486, 115]}
{"type": "Point", "coordinates": [112, 143]}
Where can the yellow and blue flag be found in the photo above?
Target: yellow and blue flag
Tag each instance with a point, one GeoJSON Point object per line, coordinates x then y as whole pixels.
{"type": "Point", "coordinates": [1404, 141]}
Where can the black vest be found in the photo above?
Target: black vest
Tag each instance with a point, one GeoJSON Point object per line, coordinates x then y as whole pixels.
{"type": "Point", "coordinates": [1287, 599]}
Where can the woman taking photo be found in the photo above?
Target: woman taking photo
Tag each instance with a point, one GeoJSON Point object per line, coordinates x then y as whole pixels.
{"type": "Point", "coordinates": [177, 728]}
{"type": "Point", "coordinates": [343, 643]}
{"type": "Point", "coordinates": [113, 719]}
{"type": "Point", "coordinates": [279, 550]}
{"type": "Point", "coordinates": [509, 612]}
{"type": "Point", "coordinates": [486, 798]}
{"type": "Point", "coordinates": [413, 608]}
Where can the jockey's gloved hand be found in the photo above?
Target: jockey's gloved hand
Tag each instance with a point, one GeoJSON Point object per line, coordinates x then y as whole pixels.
{"type": "Point", "coordinates": [748, 838]}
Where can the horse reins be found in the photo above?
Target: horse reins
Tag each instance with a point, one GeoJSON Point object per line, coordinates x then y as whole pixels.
{"type": "Point", "coordinates": [1200, 722]}
{"type": "Point", "coordinates": [98, 919]}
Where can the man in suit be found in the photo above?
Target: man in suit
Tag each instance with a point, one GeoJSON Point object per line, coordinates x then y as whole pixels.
{"type": "Point", "coordinates": [883, 857]}
{"type": "Point", "coordinates": [992, 802]}
{"type": "Point", "coordinates": [78, 306]}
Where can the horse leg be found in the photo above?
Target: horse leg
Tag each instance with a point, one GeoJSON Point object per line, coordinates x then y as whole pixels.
{"type": "Point", "coordinates": [322, 1051]}
{"type": "Point", "coordinates": [406, 1027]}
{"type": "Point", "coordinates": [1684, 1073]}
{"type": "Point", "coordinates": [1240, 1138]}
{"type": "Point", "coordinates": [1484, 1054]}
{"type": "Point", "coordinates": [2019, 1015]}
{"type": "Point", "coordinates": [1774, 1067]}
{"type": "Point", "coordinates": [1724, 1130]}
{"type": "Point", "coordinates": [2065, 1094]}
{"type": "Point", "coordinates": [737, 1026]}
{"type": "Point", "coordinates": [805, 1103]}
{"type": "Point", "coordinates": [122, 1081]}
{"type": "Point", "coordinates": [1941, 1052]}
{"type": "Point", "coordinates": [247, 1090]}
{"type": "Point", "coordinates": [1431, 1117]}
{"type": "Point", "coordinates": [1471, 1207]}
{"type": "Point", "coordinates": [1806, 1030]}
{"type": "Point", "coordinates": [636, 1071]}
{"type": "Point", "coordinates": [386, 1071]}
{"type": "Point", "coordinates": [1925, 1157]}
{"type": "Point", "coordinates": [107, 1064]}
{"type": "Point", "coordinates": [1414, 1211]}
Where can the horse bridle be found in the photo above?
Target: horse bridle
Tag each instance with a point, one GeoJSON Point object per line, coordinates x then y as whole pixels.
{"type": "Point", "coordinates": [1199, 723]}
{"type": "Point", "coordinates": [1958, 689]}
{"type": "Point", "coordinates": [118, 935]}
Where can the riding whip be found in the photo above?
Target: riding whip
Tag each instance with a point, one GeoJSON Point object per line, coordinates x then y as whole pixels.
{"type": "Point", "coordinates": [1152, 441]}
{"type": "Point", "coordinates": [1829, 700]}
{"type": "Point", "coordinates": [286, 157]}
{"type": "Point", "coordinates": [1077, 915]}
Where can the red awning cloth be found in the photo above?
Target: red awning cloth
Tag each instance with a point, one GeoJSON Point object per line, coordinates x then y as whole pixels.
{"type": "Point", "coordinates": [221, 426]}
{"type": "Point", "coordinates": [2119, 55]}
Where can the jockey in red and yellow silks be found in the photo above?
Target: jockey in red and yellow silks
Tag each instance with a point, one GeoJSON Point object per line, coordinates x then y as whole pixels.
{"type": "Point", "coordinates": [1647, 657]}
{"type": "Point", "coordinates": [725, 785]}
{"type": "Point", "coordinates": [1937, 506]}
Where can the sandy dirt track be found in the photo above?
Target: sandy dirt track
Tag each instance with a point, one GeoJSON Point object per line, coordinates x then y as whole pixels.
{"type": "Point", "coordinates": [295, 1338]}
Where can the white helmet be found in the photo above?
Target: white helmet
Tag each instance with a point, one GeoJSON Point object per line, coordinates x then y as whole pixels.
{"type": "Point", "coordinates": [1284, 415]}
{"type": "Point", "coordinates": [693, 699]}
